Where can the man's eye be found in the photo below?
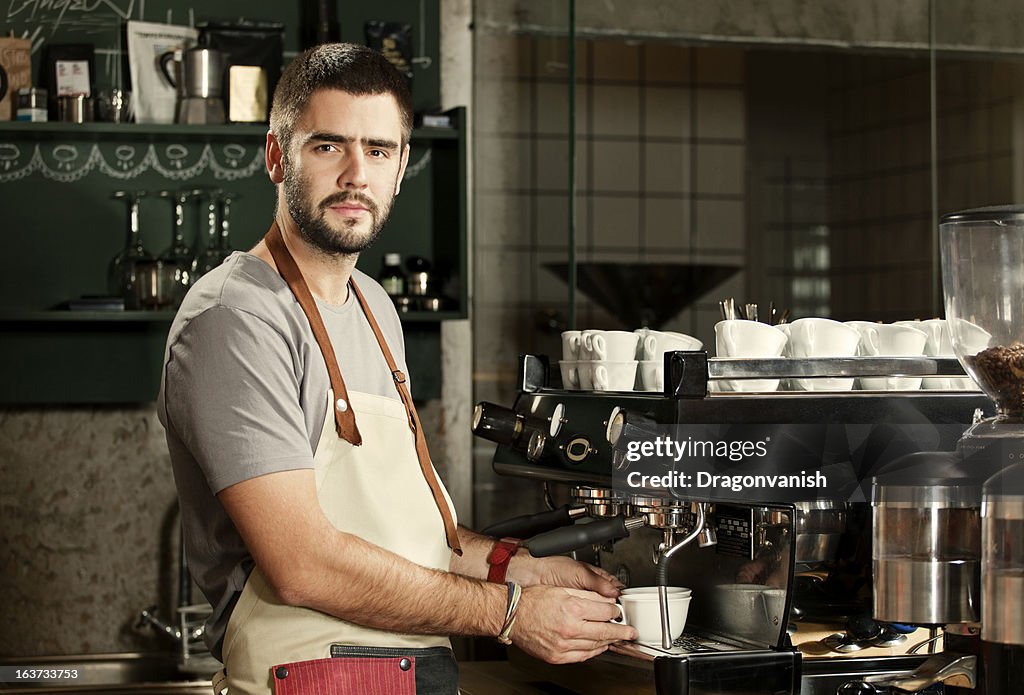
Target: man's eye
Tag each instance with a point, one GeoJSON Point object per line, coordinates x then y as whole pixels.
{"type": "Point", "coordinates": [326, 147]}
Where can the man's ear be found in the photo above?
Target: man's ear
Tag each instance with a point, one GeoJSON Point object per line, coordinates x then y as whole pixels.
{"type": "Point", "coordinates": [401, 169]}
{"type": "Point", "coordinates": [274, 159]}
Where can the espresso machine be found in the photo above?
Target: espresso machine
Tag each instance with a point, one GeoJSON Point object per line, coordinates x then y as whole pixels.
{"type": "Point", "coordinates": [903, 573]}
{"type": "Point", "coordinates": [781, 579]}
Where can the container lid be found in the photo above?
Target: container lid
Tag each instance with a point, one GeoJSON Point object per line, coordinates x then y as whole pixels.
{"type": "Point", "coordinates": [392, 259]}
{"type": "Point", "coordinates": [1009, 481]}
{"type": "Point", "coordinates": [933, 478]}
{"type": "Point", "coordinates": [992, 213]}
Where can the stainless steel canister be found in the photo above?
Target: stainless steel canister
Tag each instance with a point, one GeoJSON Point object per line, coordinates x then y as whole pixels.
{"type": "Point", "coordinates": [927, 553]}
{"type": "Point", "coordinates": [74, 108]}
{"type": "Point", "coordinates": [1003, 557]}
{"type": "Point", "coordinates": [31, 105]}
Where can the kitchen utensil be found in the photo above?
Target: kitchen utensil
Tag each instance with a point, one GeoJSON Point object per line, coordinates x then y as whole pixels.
{"type": "Point", "coordinates": [74, 108]}
{"type": "Point", "coordinates": [196, 75]}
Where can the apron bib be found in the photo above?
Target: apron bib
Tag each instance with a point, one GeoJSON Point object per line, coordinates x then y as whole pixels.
{"type": "Point", "coordinates": [380, 490]}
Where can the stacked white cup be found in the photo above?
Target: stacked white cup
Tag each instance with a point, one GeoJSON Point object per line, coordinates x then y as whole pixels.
{"type": "Point", "coordinates": [889, 340]}
{"type": "Point", "coordinates": [818, 337]}
{"type": "Point", "coordinates": [612, 359]}
{"type": "Point", "coordinates": [940, 344]}
{"type": "Point", "coordinates": [569, 364]}
{"type": "Point", "coordinates": [651, 354]}
{"type": "Point", "coordinates": [748, 339]}
{"type": "Point", "coordinates": [599, 360]}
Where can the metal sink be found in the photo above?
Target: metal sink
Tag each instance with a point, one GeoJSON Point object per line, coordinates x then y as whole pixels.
{"type": "Point", "coordinates": [120, 674]}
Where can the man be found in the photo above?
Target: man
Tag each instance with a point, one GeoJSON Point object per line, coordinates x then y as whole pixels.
{"type": "Point", "coordinates": [314, 521]}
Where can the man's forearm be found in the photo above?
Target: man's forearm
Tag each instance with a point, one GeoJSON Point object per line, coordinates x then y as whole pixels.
{"type": "Point", "coordinates": [475, 549]}
{"type": "Point", "coordinates": [310, 563]}
{"type": "Point", "coordinates": [365, 584]}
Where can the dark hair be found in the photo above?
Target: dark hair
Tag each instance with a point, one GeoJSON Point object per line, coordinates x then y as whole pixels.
{"type": "Point", "coordinates": [348, 67]}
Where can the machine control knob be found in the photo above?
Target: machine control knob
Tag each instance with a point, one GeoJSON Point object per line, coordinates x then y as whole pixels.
{"type": "Point", "coordinates": [535, 447]}
{"type": "Point", "coordinates": [557, 420]}
{"type": "Point", "coordinates": [496, 423]}
{"type": "Point", "coordinates": [578, 449]}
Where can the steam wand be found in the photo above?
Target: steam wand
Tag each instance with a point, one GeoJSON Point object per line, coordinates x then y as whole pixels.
{"type": "Point", "coordinates": [662, 575]}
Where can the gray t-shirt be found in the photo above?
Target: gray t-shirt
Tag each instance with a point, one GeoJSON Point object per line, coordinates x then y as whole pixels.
{"type": "Point", "coordinates": [244, 392]}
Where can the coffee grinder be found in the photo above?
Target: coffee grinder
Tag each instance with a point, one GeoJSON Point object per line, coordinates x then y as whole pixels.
{"type": "Point", "coordinates": [948, 547]}
{"type": "Point", "coordinates": [983, 284]}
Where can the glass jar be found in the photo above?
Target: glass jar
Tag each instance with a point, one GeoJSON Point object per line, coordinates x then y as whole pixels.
{"type": "Point", "coordinates": [391, 277]}
{"type": "Point", "coordinates": [1003, 557]}
{"type": "Point", "coordinates": [926, 540]}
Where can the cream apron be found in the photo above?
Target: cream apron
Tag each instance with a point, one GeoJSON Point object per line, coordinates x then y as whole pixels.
{"type": "Point", "coordinates": [382, 490]}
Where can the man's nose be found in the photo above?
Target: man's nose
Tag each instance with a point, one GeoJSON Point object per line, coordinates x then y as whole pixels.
{"type": "Point", "coordinates": [353, 174]}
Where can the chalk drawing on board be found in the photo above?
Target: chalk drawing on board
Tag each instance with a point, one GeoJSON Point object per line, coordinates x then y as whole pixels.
{"type": "Point", "coordinates": [9, 154]}
{"type": "Point", "coordinates": [64, 163]}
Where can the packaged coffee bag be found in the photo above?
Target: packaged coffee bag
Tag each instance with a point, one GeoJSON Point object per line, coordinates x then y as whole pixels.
{"type": "Point", "coordinates": [394, 40]}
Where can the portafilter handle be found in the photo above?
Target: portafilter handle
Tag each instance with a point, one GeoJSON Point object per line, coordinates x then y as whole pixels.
{"type": "Point", "coordinates": [529, 525]}
{"type": "Point", "coordinates": [569, 538]}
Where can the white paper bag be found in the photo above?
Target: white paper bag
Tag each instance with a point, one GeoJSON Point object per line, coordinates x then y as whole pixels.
{"type": "Point", "coordinates": [155, 97]}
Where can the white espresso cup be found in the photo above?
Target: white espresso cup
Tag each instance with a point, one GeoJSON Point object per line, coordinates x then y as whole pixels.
{"type": "Point", "coordinates": [614, 376]}
{"type": "Point", "coordinates": [643, 612]}
{"type": "Point", "coordinates": [819, 337]}
{"type": "Point", "coordinates": [940, 344]}
{"type": "Point", "coordinates": [570, 374]}
{"type": "Point", "coordinates": [652, 591]}
{"type": "Point", "coordinates": [571, 345]}
{"type": "Point", "coordinates": [889, 340]}
{"type": "Point", "coordinates": [652, 375]}
{"type": "Point", "coordinates": [743, 338]}
{"type": "Point", "coordinates": [609, 346]}
{"type": "Point", "coordinates": [585, 375]}
{"type": "Point", "coordinates": [655, 344]}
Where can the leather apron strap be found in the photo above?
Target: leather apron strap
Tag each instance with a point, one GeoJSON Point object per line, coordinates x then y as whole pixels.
{"type": "Point", "coordinates": [450, 530]}
{"type": "Point", "coordinates": [344, 418]}
{"type": "Point", "coordinates": [345, 421]}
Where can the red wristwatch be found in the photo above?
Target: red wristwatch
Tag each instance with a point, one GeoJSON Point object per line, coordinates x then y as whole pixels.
{"type": "Point", "coordinates": [500, 557]}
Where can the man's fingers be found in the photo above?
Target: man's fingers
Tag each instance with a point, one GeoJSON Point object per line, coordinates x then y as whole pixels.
{"type": "Point", "coordinates": [599, 611]}
{"type": "Point", "coordinates": [590, 595]}
{"type": "Point", "coordinates": [604, 574]}
{"type": "Point", "coordinates": [608, 632]}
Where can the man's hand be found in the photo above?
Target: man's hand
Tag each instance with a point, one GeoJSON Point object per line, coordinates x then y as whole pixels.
{"type": "Point", "coordinates": [562, 571]}
{"type": "Point", "coordinates": [564, 626]}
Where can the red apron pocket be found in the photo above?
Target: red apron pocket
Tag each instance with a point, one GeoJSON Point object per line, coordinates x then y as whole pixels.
{"type": "Point", "coordinates": [347, 676]}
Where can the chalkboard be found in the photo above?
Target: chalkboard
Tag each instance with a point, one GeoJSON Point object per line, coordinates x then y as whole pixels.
{"type": "Point", "coordinates": [101, 23]}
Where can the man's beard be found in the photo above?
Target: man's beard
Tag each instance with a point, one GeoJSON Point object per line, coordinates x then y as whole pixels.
{"type": "Point", "coordinates": [311, 218]}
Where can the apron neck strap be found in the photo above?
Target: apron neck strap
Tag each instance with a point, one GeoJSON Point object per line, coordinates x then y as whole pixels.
{"type": "Point", "coordinates": [344, 417]}
{"type": "Point", "coordinates": [345, 420]}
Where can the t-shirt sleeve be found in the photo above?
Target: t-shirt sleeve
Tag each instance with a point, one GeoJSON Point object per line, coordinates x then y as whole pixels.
{"type": "Point", "coordinates": [231, 395]}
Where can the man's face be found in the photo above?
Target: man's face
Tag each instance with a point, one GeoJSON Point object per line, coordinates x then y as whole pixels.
{"type": "Point", "coordinates": [343, 169]}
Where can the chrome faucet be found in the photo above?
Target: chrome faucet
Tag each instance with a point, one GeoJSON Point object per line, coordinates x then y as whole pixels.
{"type": "Point", "coordinates": [189, 634]}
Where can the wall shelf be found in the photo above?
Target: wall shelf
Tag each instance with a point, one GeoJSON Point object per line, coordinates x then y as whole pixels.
{"type": "Point", "coordinates": [133, 132]}
{"type": "Point", "coordinates": [66, 227]}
